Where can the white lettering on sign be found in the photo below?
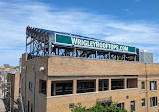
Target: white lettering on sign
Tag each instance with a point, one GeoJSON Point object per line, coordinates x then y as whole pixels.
{"type": "Point", "coordinates": [97, 44]}
{"type": "Point", "coordinates": [74, 41]}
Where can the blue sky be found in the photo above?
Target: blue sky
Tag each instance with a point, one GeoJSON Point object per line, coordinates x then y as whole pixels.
{"type": "Point", "coordinates": [134, 21]}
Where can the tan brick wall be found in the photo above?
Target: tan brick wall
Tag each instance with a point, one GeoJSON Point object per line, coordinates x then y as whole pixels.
{"type": "Point", "coordinates": [119, 96]}
{"type": "Point", "coordinates": [30, 75]}
{"type": "Point", "coordinates": [88, 99]}
{"type": "Point", "coordinates": [69, 65]}
{"type": "Point", "coordinates": [152, 68]}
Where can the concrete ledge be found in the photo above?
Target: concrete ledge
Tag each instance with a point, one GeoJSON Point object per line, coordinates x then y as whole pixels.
{"type": "Point", "coordinates": [84, 75]}
{"type": "Point", "coordinates": [59, 96]}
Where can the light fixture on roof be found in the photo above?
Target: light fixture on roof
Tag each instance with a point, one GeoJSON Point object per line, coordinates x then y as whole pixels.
{"type": "Point", "coordinates": [52, 45]}
{"type": "Point", "coordinates": [144, 50]}
{"type": "Point", "coordinates": [24, 67]}
{"type": "Point", "coordinates": [42, 69]}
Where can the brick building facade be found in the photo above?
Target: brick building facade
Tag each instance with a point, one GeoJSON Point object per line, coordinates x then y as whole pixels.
{"type": "Point", "coordinates": [55, 83]}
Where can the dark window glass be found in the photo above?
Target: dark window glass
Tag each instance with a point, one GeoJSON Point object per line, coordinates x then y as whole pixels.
{"type": "Point", "coordinates": [143, 102]}
{"type": "Point", "coordinates": [117, 84]}
{"type": "Point", "coordinates": [120, 105]}
{"type": "Point", "coordinates": [103, 85]}
{"type": "Point", "coordinates": [153, 101]}
{"type": "Point", "coordinates": [42, 86]}
{"type": "Point", "coordinates": [100, 85]}
{"type": "Point", "coordinates": [71, 105]}
{"type": "Point", "coordinates": [64, 88]}
{"type": "Point", "coordinates": [85, 86]}
{"type": "Point", "coordinates": [133, 106]}
{"type": "Point", "coordinates": [30, 86]}
{"type": "Point", "coordinates": [142, 85]}
{"type": "Point", "coordinates": [52, 89]}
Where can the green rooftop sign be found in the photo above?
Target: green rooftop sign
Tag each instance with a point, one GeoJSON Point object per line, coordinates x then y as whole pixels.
{"type": "Point", "coordinates": [92, 43]}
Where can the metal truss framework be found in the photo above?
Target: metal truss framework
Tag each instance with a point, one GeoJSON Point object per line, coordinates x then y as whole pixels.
{"type": "Point", "coordinates": [40, 42]}
{"type": "Point", "coordinates": [37, 43]}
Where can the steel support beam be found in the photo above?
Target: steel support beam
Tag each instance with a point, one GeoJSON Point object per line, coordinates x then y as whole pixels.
{"type": "Point", "coordinates": [124, 57]}
{"type": "Point", "coordinates": [109, 56]}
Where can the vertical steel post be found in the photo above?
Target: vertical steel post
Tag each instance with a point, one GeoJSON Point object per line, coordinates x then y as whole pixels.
{"type": "Point", "coordinates": [124, 57]}
{"type": "Point", "coordinates": [75, 52]}
{"type": "Point", "coordinates": [50, 45]}
{"type": "Point", "coordinates": [96, 54]}
{"type": "Point", "coordinates": [109, 55]}
{"type": "Point", "coordinates": [26, 40]}
{"type": "Point", "coordinates": [116, 56]}
{"type": "Point", "coordinates": [135, 57]}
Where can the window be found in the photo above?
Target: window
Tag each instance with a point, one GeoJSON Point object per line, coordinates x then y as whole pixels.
{"type": "Point", "coordinates": [61, 88]}
{"type": "Point", "coordinates": [30, 86]}
{"type": "Point", "coordinates": [132, 83]}
{"type": "Point", "coordinates": [153, 101]}
{"type": "Point", "coordinates": [117, 84]}
{"type": "Point", "coordinates": [143, 102]}
{"type": "Point", "coordinates": [103, 85]}
{"type": "Point", "coordinates": [85, 86]}
{"type": "Point", "coordinates": [143, 85]}
{"type": "Point", "coordinates": [42, 86]}
{"type": "Point", "coordinates": [153, 85]}
{"type": "Point", "coordinates": [64, 88]}
{"type": "Point", "coordinates": [127, 97]}
{"type": "Point", "coordinates": [133, 106]}
{"type": "Point", "coordinates": [53, 89]}
{"type": "Point", "coordinates": [104, 103]}
{"type": "Point", "coordinates": [71, 105]}
{"type": "Point", "coordinates": [120, 105]}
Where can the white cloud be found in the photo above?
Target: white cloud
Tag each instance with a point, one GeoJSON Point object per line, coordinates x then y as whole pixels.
{"type": "Point", "coordinates": [14, 17]}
